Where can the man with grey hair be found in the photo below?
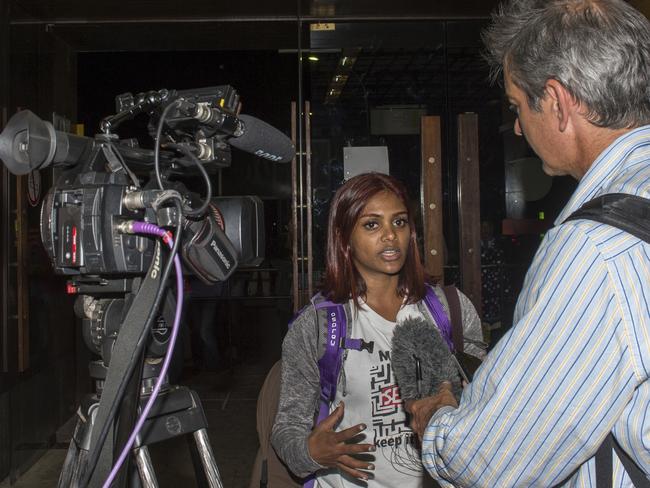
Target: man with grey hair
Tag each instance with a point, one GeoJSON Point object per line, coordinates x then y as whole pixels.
{"type": "Point", "coordinates": [575, 365]}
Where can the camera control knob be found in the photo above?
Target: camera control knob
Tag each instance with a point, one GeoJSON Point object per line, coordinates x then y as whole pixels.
{"type": "Point", "coordinates": [131, 242]}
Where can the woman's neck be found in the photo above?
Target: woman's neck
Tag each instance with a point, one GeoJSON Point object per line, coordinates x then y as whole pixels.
{"type": "Point", "coordinates": [382, 297]}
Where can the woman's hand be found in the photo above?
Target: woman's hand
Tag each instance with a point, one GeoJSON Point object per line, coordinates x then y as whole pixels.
{"type": "Point", "coordinates": [422, 410]}
{"type": "Point", "coordinates": [331, 449]}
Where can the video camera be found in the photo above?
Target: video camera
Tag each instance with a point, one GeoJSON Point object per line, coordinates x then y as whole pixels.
{"type": "Point", "coordinates": [96, 224]}
{"type": "Point", "coordinates": [107, 182]}
{"type": "Point", "coordinates": [81, 215]}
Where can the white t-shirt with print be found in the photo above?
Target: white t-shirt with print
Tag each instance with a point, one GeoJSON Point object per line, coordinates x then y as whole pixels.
{"type": "Point", "coordinates": [372, 398]}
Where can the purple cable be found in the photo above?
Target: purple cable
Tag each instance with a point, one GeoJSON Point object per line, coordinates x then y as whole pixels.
{"type": "Point", "coordinates": [147, 228]}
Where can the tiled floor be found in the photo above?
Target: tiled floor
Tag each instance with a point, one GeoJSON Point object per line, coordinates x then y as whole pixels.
{"type": "Point", "coordinates": [229, 402]}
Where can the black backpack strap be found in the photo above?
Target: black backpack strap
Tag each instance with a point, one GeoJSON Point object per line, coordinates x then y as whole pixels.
{"type": "Point", "coordinates": [604, 458]}
{"type": "Point", "coordinates": [630, 213]}
{"type": "Point", "coordinates": [638, 477]}
{"type": "Point", "coordinates": [604, 472]}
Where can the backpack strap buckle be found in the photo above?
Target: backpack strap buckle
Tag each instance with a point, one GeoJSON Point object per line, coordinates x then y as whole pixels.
{"type": "Point", "coordinates": [358, 345]}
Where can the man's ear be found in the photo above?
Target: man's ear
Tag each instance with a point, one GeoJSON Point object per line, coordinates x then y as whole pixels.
{"type": "Point", "coordinates": [564, 105]}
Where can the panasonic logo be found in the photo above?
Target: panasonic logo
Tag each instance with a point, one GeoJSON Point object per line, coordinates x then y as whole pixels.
{"type": "Point", "coordinates": [155, 269]}
{"type": "Point", "coordinates": [223, 258]}
{"type": "Point", "coordinates": [265, 155]}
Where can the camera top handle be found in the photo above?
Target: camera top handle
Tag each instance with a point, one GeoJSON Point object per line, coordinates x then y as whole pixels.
{"type": "Point", "coordinates": [128, 107]}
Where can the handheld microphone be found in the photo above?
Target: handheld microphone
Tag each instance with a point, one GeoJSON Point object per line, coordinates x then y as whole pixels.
{"type": "Point", "coordinates": [262, 139]}
{"type": "Point", "coordinates": [421, 360]}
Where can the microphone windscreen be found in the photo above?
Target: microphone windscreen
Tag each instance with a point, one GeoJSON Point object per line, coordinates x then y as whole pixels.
{"type": "Point", "coordinates": [414, 338]}
{"type": "Point", "coordinates": [263, 140]}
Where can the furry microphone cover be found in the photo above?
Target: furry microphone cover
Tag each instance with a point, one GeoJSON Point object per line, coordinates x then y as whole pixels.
{"type": "Point", "coordinates": [416, 341]}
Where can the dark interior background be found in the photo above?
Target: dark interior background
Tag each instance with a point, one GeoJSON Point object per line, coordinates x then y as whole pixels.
{"type": "Point", "coordinates": [68, 59]}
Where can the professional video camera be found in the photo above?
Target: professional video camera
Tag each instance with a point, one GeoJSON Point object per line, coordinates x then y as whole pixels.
{"type": "Point", "coordinates": [97, 223]}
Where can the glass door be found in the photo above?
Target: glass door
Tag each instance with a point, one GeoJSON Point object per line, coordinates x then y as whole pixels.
{"type": "Point", "coordinates": [369, 85]}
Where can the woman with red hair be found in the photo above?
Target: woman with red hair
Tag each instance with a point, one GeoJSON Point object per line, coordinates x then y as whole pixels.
{"type": "Point", "coordinates": [373, 268]}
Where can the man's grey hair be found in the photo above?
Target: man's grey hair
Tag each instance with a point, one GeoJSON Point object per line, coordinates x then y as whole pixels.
{"type": "Point", "coordinates": [598, 49]}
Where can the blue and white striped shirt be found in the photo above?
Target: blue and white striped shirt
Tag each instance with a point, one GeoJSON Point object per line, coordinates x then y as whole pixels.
{"type": "Point", "coordinates": [574, 366]}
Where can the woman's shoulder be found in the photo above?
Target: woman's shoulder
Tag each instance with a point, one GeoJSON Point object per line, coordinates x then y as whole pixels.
{"type": "Point", "coordinates": [470, 320]}
{"type": "Point", "coordinates": [437, 289]}
{"type": "Point", "coordinates": [306, 315]}
{"type": "Point", "coordinates": [467, 309]}
{"type": "Point", "coordinates": [316, 312]}
{"type": "Point", "coordinates": [308, 330]}
{"type": "Point", "coordinates": [442, 291]}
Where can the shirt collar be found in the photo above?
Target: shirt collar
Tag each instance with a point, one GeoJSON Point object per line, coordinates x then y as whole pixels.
{"type": "Point", "coordinates": [609, 163]}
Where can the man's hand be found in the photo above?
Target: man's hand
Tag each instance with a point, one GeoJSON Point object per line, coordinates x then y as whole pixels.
{"type": "Point", "coordinates": [331, 449]}
{"type": "Point", "coordinates": [422, 410]}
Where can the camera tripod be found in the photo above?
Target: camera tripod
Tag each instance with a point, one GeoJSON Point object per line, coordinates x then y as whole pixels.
{"type": "Point", "coordinates": [177, 411]}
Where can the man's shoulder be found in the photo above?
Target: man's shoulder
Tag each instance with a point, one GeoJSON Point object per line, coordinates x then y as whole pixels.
{"type": "Point", "coordinates": [632, 178]}
{"type": "Point", "coordinates": [607, 241]}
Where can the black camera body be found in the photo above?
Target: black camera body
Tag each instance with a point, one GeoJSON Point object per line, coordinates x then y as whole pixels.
{"type": "Point", "coordinates": [99, 187]}
{"type": "Point", "coordinates": [79, 228]}
{"type": "Point", "coordinates": [106, 184]}
{"type": "Point", "coordinates": [81, 214]}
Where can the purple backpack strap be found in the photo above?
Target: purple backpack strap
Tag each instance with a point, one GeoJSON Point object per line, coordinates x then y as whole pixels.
{"type": "Point", "coordinates": [329, 365]}
{"type": "Point", "coordinates": [439, 316]}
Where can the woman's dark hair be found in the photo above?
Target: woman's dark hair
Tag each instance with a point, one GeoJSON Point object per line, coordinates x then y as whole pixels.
{"type": "Point", "coordinates": [342, 280]}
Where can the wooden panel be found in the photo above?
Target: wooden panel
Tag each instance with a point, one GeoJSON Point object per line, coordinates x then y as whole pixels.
{"type": "Point", "coordinates": [469, 208]}
{"type": "Point", "coordinates": [431, 192]}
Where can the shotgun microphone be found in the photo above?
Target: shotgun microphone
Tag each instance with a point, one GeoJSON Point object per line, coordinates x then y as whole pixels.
{"type": "Point", "coordinates": [245, 132]}
{"type": "Point", "coordinates": [257, 137]}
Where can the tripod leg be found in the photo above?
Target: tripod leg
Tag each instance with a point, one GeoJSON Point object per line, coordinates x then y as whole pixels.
{"type": "Point", "coordinates": [73, 465]}
{"type": "Point", "coordinates": [207, 458]}
{"type": "Point", "coordinates": [145, 467]}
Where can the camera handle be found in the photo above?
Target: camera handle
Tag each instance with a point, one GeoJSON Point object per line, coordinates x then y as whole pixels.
{"type": "Point", "coordinates": [128, 107]}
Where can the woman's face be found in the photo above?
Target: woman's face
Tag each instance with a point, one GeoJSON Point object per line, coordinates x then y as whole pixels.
{"type": "Point", "coordinates": [380, 238]}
